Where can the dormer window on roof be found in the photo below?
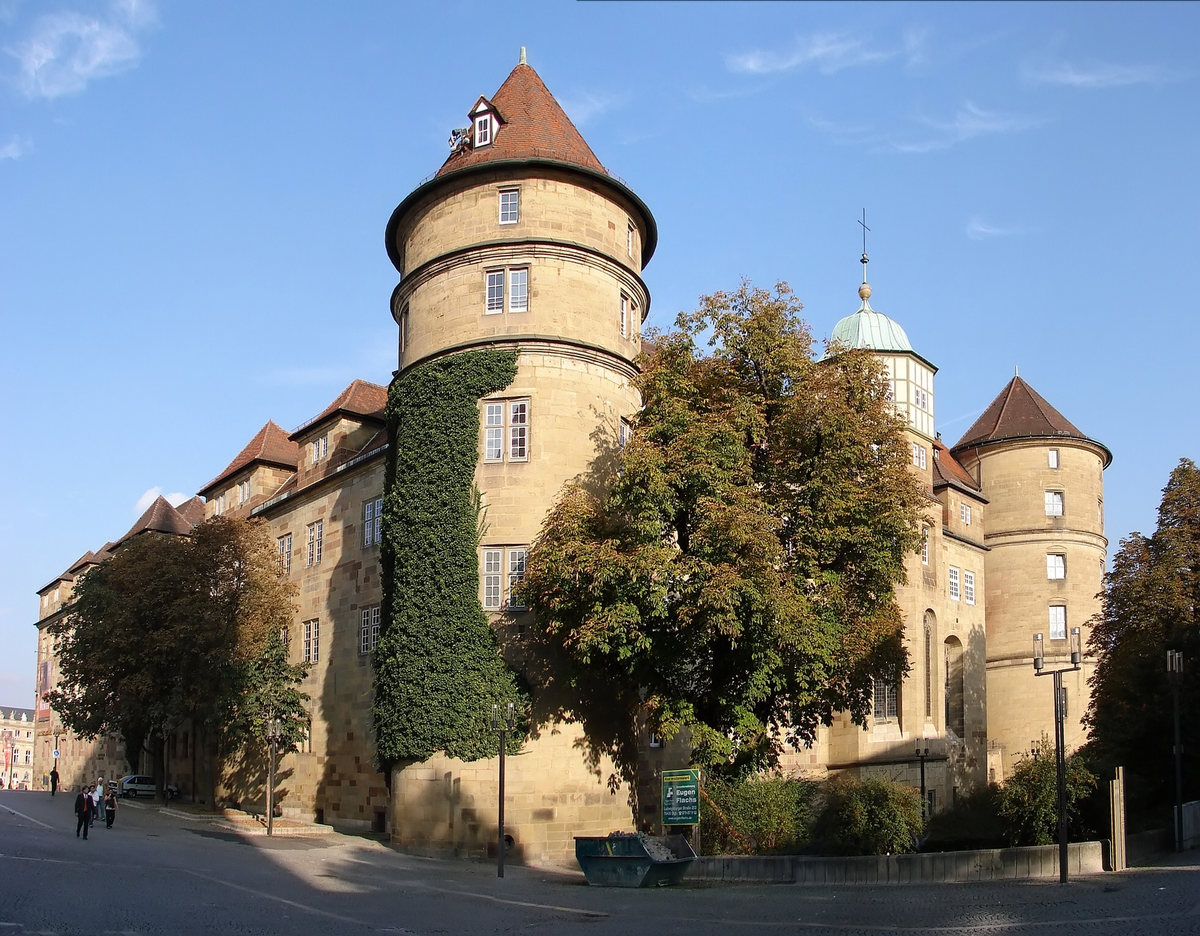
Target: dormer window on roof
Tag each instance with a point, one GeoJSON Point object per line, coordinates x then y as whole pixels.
{"type": "Point", "coordinates": [486, 121]}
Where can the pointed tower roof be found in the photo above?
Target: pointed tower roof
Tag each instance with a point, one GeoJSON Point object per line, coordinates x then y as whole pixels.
{"type": "Point", "coordinates": [270, 446]}
{"type": "Point", "coordinates": [1020, 412]}
{"type": "Point", "coordinates": [532, 125]}
{"type": "Point", "coordinates": [160, 517]}
{"type": "Point", "coordinates": [192, 510]}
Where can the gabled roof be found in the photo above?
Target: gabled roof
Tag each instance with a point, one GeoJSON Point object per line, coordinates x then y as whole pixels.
{"type": "Point", "coordinates": [947, 472]}
{"type": "Point", "coordinates": [1020, 412]}
{"type": "Point", "coordinates": [533, 125]}
{"type": "Point", "coordinates": [160, 517]}
{"type": "Point", "coordinates": [270, 446]}
{"type": "Point", "coordinates": [192, 510]}
{"type": "Point", "coordinates": [362, 399]}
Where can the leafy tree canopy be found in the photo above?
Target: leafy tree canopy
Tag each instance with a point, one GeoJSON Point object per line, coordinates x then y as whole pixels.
{"type": "Point", "coordinates": [733, 575]}
{"type": "Point", "coordinates": [1151, 605]}
{"type": "Point", "coordinates": [1029, 798]}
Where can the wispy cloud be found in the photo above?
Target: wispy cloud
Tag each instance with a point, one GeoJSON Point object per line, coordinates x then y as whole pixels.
{"type": "Point", "coordinates": [828, 52]}
{"type": "Point", "coordinates": [1098, 75]}
{"type": "Point", "coordinates": [978, 229]}
{"type": "Point", "coordinates": [152, 495]}
{"type": "Point", "coordinates": [67, 51]}
{"type": "Point", "coordinates": [968, 123]}
{"type": "Point", "coordinates": [582, 106]}
{"type": "Point", "coordinates": [14, 148]}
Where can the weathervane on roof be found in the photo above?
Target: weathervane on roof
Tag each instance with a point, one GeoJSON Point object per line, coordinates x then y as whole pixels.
{"type": "Point", "coordinates": [864, 291]}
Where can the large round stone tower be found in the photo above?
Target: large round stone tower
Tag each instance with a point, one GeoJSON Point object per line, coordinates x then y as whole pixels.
{"type": "Point", "coordinates": [523, 241]}
{"type": "Point", "coordinates": [1044, 480]}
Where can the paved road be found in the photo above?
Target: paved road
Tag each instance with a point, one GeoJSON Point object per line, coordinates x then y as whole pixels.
{"type": "Point", "coordinates": [158, 874]}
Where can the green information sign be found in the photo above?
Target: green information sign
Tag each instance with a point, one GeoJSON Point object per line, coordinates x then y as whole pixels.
{"type": "Point", "coordinates": [680, 797]}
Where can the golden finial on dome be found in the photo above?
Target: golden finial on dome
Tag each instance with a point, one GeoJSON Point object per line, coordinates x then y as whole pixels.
{"type": "Point", "coordinates": [864, 291]}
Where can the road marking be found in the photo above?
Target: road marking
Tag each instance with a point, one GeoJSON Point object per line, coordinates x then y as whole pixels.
{"type": "Point", "coordinates": [515, 903]}
{"type": "Point", "coordinates": [30, 818]}
{"type": "Point", "coordinates": [290, 903]}
{"type": "Point", "coordinates": [901, 928]}
{"type": "Point", "coordinates": [26, 858]}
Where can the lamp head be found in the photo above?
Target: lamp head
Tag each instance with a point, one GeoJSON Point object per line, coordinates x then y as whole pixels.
{"type": "Point", "coordinates": [1039, 654]}
{"type": "Point", "coordinates": [1076, 647]}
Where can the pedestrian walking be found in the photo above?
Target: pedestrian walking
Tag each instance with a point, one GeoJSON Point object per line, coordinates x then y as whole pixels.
{"type": "Point", "coordinates": [53, 780]}
{"type": "Point", "coordinates": [83, 812]}
{"type": "Point", "coordinates": [100, 797]}
{"type": "Point", "coordinates": [95, 796]}
{"type": "Point", "coordinates": [110, 806]}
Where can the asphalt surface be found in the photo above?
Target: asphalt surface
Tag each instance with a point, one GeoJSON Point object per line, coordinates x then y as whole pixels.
{"type": "Point", "coordinates": [152, 873]}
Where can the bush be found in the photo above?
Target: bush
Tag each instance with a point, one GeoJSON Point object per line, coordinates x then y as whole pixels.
{"type": "Point", "coordinates": [973, 822]}
{"type": "Point", "coordinates": [769, 815]}
{"type": "Point", "coordinates": [869, 817]}
{"type": "Point", "coordinates": [1029, 800]}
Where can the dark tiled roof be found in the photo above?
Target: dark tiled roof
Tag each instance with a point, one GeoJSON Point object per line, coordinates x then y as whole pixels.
{"type": "Point", "coordinates": [270, 446]}
{"type": "Point", "coordinates": [362, 398]}
{"type": "Point", "coordinates": [532, 125]}
{"type": "Point", "coordinates": [948, 472]}
{"type": "Point", "coordinates": [1020, 412]}
{"type": "Point", "coordinates": [192, 510]}
{"type": "Point", "coordinates": [160, 517]}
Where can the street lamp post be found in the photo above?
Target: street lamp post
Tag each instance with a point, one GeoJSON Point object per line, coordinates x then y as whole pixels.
{"type": "Point", "coordinates": [274, 736]}
{"type": "Point", "coordinates": [1060, 741]}
{"type": "Point", "coordinates": [1175, 675]}
{"type": "Point", "coordinates": [503, 726]}
{"type": "Point", "coordinates": [921, 756]}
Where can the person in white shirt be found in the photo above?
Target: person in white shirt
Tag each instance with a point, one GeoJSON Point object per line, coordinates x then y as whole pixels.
{"type": "Point", "coordinates": [98, 800]}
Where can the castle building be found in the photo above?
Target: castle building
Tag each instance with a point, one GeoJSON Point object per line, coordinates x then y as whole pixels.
{"type": "Point", "coordinates": [16, 750]}
{"type": "Point", "coordinates": [522, 240]}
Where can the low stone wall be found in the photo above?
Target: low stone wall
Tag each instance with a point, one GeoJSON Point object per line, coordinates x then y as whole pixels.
{"type": "Point", "coordinates": [997, 864]}
{"type": "Point", "coordinates": [1144, 847]}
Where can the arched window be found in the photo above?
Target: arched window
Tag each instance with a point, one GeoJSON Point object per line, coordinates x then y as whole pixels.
{"type": "Point", "coordinates": [930, 625]}
{"type": "Point", "coordinates": [954, 687]}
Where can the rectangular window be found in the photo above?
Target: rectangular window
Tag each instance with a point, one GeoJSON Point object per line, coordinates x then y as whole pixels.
{"type": "Point", "coordinates": [483, 130]}
{"type": "Point", "coordinates": [244, 492]}
{"type": "Point", "coordinates": [404, 328]}
{"type": "Point", "coordinates": [954, 596]}
{"type": "Point", "coordinates": [510, 206]}
{"type": "Point", "coordinates": [312, 641]}
{"type": "Point", "coordinates": [1054, 504]}
{"type": "Point", "coordinates": [516, 572]}
{"type": "Point", "coordinates": [1058, 622]}
{"type": "Point", "coordinates": [285, 553]}
{"type": "Point", "coordinates": [969, 587]}
{"type": "Point", "coordinates": [518, 431]}
{"type": "Point", "coordinates": [922, 458]}
{"type": "Point", "coordinates": [1100, 510]}
{"type": "Point", "coordinates": [1053, 458]}
{"type": "Point", "coordinates": [964, 514]}
{"type": "Point", "coordinates": [920, 399]}
{"type": "Point", "coordinates": [518, 291]}
{"type": "Point", "coordinates": [624, 316]}
{"type": "Point", "coordinates": [918, 455]}
{"type": "Point", "coordinates": [220, 508]}
{"type": "Point", "coordinates": [1056, 566]}
{"type": "Point", "coordinates": [629, 240]}
{"type": "Point", "coordinates": [320, 448]}
{"type": "Point", "coordinates": [493, 449]}
{"type": "Point", "coordinates": [924, 545]}
{"type": "Point", "coordinates": [372, 521]}
{"type": "Point", "coordinates": [315, 535]}
{"type": "Point", "coordinates": [624, 433]}
{"type": "Point", "coordinates": [885, 700]}
{"type": "Point", "coordinates": [369, 631]}
{"type": "Point", "coordinates": [491, 578]}
{"type": "Point", "coordinates": [495, 291]}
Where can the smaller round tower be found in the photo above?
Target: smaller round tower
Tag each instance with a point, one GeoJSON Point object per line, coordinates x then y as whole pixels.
{"type": "Point", "coordinates": [1044, 480]}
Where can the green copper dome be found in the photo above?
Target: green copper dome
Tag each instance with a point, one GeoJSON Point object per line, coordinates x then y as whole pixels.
{"type": "Point", "coordinates": [869, 329]}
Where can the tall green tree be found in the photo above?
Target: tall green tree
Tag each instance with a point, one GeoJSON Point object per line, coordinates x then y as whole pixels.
{"type": "Point", "coordinates": [1151, 605]}
{"type": "Point", "coordinates": [1028, 801]}
{"type": "Point", "coordinates": [731, 571]}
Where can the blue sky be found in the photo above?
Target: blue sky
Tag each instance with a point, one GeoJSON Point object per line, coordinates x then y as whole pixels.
{"type": "Point", "coordinates": [193, 198]}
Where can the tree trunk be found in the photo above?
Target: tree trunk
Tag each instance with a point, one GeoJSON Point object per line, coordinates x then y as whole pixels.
{"type": "Point", "coordinates": [158, 747]}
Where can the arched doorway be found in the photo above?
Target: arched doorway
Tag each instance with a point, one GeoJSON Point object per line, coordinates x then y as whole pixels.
{"type": "Point", "coordinates": [955, 721]}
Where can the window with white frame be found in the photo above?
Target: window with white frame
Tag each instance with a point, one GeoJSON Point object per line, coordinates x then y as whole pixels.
{"type": "Point", "coordinates": [285, 553]}
{"type": "Point", "coordinates": [624, 316]}
{"type": "Point", "coordinates": [924, 545]}
{"type": "Point", "coordinates": [495, 292]}
{"type": "Point", "coordinates": [244, 492]}
{"type": "Point", "coordinates": [629, 240]}
{"type": "Point", "coordinates": [969, 587]}
{"type": "Point", "coordinates": [483, 130]}
{"type": "Point", "coordinates": [372, 521]}
{"type": "Point", "coordinates": [921, 399]}
{"type": "Point", "coordinates": [964, 514]}
{"type": "Point", "coordinates": [624, 433]}
{"type": "Point", "coordinates": [404, 328]}
{"type": "Point", "coordinates": [516, 572]}
{"type": "Point", "coordinates": [918, 455]}
{"type": "Point", "coordinates": [510, 206]}
{"type": "Point", "coordinates": [517, 297]}
{"type": "Point", "coordinates": [518, 290]}
{"type": "Point", "coordinates": [220, 507]}
{"type": "Point", "coordinates": [320, 447]}
{"type": "Point", "coordinates": [506, 430]}
{"type": "Point", "coordinates": [316, 533]}
{"type": "Point", "coordinates": [1056, 566]}
{"type": "Point", "coordinates": [954, 593]}
{"type": "Point", "coordinates": [368, 630]}
{"type": "Point", "coordinates": [312, 641]}
{"type": "Point", "coordinates": [1054, 504]}
{"type": "Point", "coordinates": [1100, 510]}
{"type": "Point", "coordinates": [492, 563]}
{"type": "Point", "coordinates": [1053, 458]}
{"type": "Point", "coordinates": [885, 708]}
{"type": "Point", "coordinates": [1058, 622]}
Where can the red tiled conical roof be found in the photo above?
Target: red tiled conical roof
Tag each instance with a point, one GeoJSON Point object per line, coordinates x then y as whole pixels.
{"type": "Point", "coordinates": [270, 446]}
{"type": "Point", "coordinates": [532, 125]}
{"type": "Point", "coordinates": [1020, 412]}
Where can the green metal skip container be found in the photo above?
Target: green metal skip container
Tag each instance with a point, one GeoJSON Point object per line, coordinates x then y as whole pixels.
{"type": "Point", "coordinates": [633, 859]}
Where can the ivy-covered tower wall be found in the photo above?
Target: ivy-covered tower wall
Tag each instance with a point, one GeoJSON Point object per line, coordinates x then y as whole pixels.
{"type": "Point", "coordinates": [521, 243]}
